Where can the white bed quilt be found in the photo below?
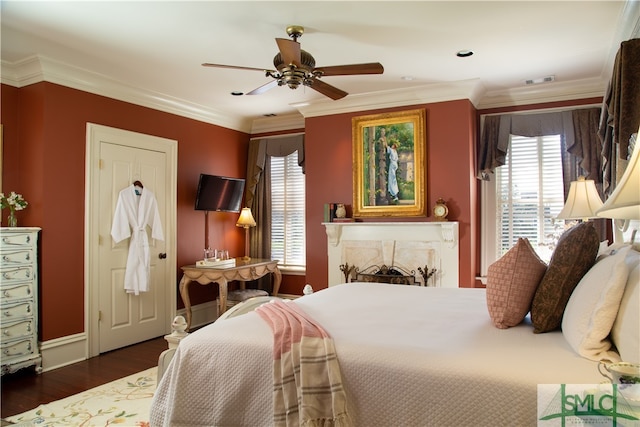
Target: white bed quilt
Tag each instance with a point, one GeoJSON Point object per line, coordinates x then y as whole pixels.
{"type": "Point", "coordinates": [409, 356]}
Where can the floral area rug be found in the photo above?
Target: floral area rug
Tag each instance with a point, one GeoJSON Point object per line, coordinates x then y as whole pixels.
{"type": "Point", "coordinates": [123, 402]}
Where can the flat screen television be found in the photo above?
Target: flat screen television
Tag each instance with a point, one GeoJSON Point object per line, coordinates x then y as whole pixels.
{"type": "Point", "coordinates": [219, 193]}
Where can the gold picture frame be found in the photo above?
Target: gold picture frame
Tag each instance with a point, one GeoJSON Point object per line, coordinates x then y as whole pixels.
{"type": "Point", "coordinates": [389, 164]}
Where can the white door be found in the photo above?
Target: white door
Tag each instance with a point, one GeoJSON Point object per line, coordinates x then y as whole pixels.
{"type": "Point", "coordinates": [120, 319]}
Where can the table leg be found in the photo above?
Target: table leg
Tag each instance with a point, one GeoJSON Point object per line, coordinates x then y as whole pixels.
{"type": "Point", "coordinates": [184, 293]}
{"type": "Point", "coordinates": [222, 282]}
{"type": "Point", "coordinates": [277, 278]}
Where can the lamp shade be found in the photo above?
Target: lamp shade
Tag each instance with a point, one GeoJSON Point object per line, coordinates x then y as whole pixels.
{"type": "Point", "coordinates": [624, 202]}
{"type": "Point", "coordinates": [582, 202]}
{"type": "Point", "coordinates": [246, 219]}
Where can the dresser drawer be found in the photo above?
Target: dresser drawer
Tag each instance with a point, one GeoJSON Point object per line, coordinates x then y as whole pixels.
{"type": "Point", "coordinates": [14, 257]}
{"type": "Point", "coordinates": [15, 292]}
{"type": "Point", "coordinates": [16, 311]}
{"type": "Point", "coordinates": [18, 348]}
{"type": "Point", "coordinates": [20, 329]}
{"type": "Point", "coordinates": [11, 240]}
{"type": "Point", "coordinates": [16, 274]}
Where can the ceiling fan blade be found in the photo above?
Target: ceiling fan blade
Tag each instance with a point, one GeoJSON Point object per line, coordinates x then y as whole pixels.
{"type": "Point", "coordinates": [290, 51]}
{"type": "Point", "coordinates": [328, 90]}
{"type": "Point", "coordinates": [235, 67]}
{"type": "Point", "coordinates": [264, 88]}
{"type": "Point", "coordinates": [346, 70]}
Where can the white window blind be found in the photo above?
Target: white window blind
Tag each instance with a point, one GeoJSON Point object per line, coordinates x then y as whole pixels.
{"type": "Point", "coordinates": [288, 212]}
{"type": "Point", "coordinates": [530, 194]}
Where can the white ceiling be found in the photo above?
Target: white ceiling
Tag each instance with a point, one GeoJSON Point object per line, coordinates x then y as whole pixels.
{"type": "Point", "coordinates": [150, 52]}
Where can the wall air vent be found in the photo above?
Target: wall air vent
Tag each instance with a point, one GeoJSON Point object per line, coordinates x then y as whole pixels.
{"type": "Point", "coordinates": [540, 80]}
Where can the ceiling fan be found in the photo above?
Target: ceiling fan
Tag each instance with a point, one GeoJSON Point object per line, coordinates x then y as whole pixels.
{"type": "Point", "coordinates": [297, 67]}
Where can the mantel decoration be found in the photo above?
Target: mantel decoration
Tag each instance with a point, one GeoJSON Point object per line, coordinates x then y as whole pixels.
{"type": "Point", "coordinates": [389, 164]}
{"type": "Point", "coordinates": [15, 202]}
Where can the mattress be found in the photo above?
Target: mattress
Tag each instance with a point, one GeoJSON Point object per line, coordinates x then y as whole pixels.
{"type": "Point", "coordinates": [409, 356]}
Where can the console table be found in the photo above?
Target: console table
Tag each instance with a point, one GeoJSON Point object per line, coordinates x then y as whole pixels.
{"type": "Point", "coordinates": [244, 270]}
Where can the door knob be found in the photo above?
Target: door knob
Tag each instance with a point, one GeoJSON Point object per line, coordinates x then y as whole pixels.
{"type": "Point", "coordinates": [162, 255]}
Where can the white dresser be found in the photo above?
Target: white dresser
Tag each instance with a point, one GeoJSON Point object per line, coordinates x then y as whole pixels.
{"type": "Point", "coordinates": [19, 299]}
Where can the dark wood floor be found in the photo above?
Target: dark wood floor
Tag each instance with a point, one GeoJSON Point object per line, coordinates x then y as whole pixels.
{"type": "Point", "coordinates": [25, 390]}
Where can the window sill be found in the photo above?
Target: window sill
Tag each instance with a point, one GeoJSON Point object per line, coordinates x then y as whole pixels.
{"type": "Point", "coordinates": [292, 271]}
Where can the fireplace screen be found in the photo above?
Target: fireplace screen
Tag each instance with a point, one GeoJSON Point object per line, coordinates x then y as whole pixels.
{"type": "Point", "coordinates": [385, 274]}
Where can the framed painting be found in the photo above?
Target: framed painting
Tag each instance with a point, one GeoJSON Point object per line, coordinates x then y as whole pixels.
{"type": "Point", "coordinates": [389, 163]}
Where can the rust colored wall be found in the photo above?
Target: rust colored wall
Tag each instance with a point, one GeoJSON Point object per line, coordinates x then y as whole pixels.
{"type": "Point", "coordinates": [45, 140]}
{"type": "Point", "coordinates": [450, 141]}
{"type": "Point", "coordinates": [44, 128]}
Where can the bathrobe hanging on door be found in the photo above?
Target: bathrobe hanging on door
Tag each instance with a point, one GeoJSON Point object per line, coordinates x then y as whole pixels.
{"type": "Point", "coordinates": [133, 214]}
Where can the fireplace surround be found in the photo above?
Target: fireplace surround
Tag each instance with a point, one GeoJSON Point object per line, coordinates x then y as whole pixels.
{"type": "Point", "coordinates": [416, 248]}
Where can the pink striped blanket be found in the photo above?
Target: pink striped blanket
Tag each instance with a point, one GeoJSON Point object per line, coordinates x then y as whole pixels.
{"type": "Point", "coordinates": [307, 383]}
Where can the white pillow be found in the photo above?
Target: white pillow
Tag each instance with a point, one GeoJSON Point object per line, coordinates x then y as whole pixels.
{"type": "Point", "coordinates": [607, 249]}
{"type": "Point", "coordinates": [626, 329]}
{"type": "Point", "coordinates": [593, 307]}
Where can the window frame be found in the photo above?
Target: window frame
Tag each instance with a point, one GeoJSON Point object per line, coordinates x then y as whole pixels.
{"type": "Point", "coordinates": [490, 247]}
{"type": "Point", "coordinates": [293, 269]}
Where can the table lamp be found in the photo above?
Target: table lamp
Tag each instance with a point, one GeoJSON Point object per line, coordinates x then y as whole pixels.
{"type": "Point", "coordinates": [582, 202]}
{"type": "Point", "coordinates": [246, 220]}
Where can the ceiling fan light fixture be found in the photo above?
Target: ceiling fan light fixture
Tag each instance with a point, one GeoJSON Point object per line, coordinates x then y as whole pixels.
{"type": "Point", "coordinates": [295, 67]}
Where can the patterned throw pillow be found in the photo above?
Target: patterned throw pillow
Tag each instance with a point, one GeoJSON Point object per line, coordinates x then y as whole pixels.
{"type": "Point", "coordinates": [573, 256]}
{"type": "Point", "coordinates": [511, 283]}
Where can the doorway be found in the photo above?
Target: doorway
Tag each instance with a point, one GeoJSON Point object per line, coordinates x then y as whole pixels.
{"type": "Point", "coordinates": [115, 159]}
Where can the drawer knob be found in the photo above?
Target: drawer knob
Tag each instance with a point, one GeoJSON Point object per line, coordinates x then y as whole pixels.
{"type": "Point", "coordinates": [6, 294]}
{"type": "Point", "coordinates": [6, 332]}
{"type": "Point", "coordinates": [7, 313]}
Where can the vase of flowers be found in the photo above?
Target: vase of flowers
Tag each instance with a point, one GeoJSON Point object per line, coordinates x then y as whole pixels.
{"type": "Point", "coordinates": [15, 202]}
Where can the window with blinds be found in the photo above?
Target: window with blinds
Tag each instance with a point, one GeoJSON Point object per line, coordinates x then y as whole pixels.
{"type": "Point", "coordinates": [530, 194]}
{"type": "Point", "coordinates": [288, 212]}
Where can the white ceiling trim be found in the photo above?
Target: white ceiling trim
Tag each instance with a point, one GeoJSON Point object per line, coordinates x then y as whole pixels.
{"type": "Point", "coordinates": [545, 92]}
{"type": "Point", "coordinates": [39, 68]}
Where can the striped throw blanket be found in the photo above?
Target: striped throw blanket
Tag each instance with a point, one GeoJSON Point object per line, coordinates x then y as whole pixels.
{"type": "Point", "coordinates": [308, 388]}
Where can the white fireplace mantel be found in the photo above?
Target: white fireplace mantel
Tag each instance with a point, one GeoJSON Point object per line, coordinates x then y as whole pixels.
{"type": "Point", "coordinates": [408, 245]}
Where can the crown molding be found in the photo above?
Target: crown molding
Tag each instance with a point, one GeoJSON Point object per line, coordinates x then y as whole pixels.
{"type": "Point", "coordinates": [39, 68]}
{"type": "Point", "coordinates": [545, 92]}
{"type": "Point", "coordinates": [436, 92]}
{"type": "Point", "coordinates": [276, 124]}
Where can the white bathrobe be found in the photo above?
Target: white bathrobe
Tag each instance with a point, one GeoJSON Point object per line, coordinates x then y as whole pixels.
{"type": "Point", "coordinates": [133, 214]}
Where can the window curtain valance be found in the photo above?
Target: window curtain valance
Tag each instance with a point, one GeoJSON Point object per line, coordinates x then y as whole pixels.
{"type": "Point", "coordinates": [577, 128]}
{"type": "Point", "coordinates": [581, 146]}
{"type": "Point", "coordinates": [259, 149]}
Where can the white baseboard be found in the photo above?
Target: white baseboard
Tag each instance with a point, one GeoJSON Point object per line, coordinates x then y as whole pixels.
{"type": "Point", "coordinates": [70, 349]}
{"type": "Point", "coordinates": [201, 314]}
{"type": "Point", "coordinates": [63, 351]}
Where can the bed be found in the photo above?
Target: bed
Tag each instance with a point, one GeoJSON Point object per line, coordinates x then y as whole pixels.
{"type": "Point", "coordinates": [408, 356]}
